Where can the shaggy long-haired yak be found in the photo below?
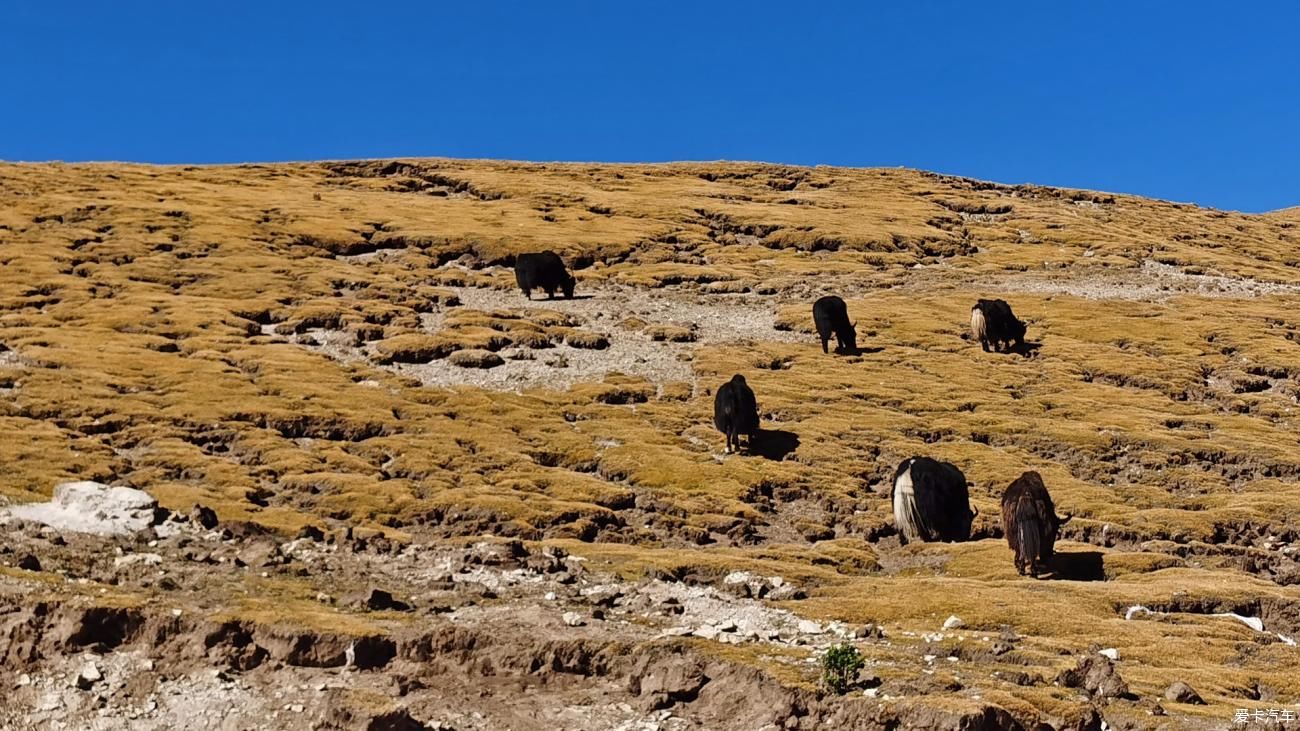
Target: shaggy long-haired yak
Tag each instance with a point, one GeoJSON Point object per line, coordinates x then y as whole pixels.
{"type": "Point", "coordinates": [1030, 522]}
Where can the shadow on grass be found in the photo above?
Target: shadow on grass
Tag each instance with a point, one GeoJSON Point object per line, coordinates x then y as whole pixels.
{"type": "Point", "coordinates": [774, 444]}
{"type": "Point", "coordinates": [1078, 566]}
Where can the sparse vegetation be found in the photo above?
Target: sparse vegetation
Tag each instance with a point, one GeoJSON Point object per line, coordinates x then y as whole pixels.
{"type": "Point", "coordinates": [840, 666]}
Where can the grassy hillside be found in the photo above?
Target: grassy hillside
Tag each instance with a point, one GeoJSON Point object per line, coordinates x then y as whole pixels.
{"type": "Point", "coordinates": [284, 344]}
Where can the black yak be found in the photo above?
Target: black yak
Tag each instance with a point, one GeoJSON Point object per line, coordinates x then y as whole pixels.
{"type": "Point", "coordinates": [931, 501]}
{"type": "Point", "coordinates": [735, 411]}
{"type": "Point", "coordinates": [1030, 523]}
{"type": "Point", "coordinates": [992, 323]}
{"type": "Point", "coordinates": [831, 315]}
{"type": "Point", "coordinates": [544, 271]}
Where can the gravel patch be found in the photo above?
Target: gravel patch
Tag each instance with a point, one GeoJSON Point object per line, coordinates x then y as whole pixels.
{"type": "Point", "coordinates": [716, 319]}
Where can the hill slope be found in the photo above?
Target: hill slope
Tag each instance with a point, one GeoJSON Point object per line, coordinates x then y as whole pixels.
{"type": "Point", "coordinates": [298, 345]}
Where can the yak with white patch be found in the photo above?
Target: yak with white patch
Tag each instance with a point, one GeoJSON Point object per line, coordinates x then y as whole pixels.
{"type": "Point", "coordinates": [545, 271]}
{"type": "Point", "coordinates": [1030, 522]}
{"type": "Point", "coordinates": [735, 412]}
{"type": "Point", "coordinates": [931, 502]}
{"type": "Point", "coordinates": [993, 324]}
{"type": "Point", "coordinates": [831, 315]}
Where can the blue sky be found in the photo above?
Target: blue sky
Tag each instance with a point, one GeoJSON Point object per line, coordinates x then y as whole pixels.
{"type": "Point", "coordinates": [1176, 100]}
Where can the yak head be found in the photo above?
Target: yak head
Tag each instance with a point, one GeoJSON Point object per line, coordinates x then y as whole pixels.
{"type": "Point", "coordinates": [850, 339]}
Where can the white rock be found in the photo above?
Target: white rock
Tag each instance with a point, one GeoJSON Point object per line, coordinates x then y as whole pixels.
{"type": "Point", "coordinates": [573, 619]}
{"type": "Point", "coordinates": [953, 622]}
{"type": "Point", "coordinates": [737, 577]}
{"type": "Point", "coordinates": [1110, 652]}
{"type": "Point", "coordinates": [296, 708]}
{"type": "Point", "coordinates": [726, 625]}
{"type": "Point", "coordinates": [137, 559]}
{"type": "Point", "coordinates": [550, 596]}
{"type": "Point", "coordinates": [809, 627]}
{"type": "Point", "coordinates": [776, 581]}
{"type": "Point", "coordinates": [24, 680]}
{"type": "Point", "coordinates": [91, 507]}
{"type": "Point", "coordinates": [707, 631]}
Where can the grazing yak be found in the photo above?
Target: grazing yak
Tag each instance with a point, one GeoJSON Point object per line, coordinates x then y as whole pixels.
{"type": "Point", "coordinates": [544, 271]}
{"type": "Point", "coordinates": [735, 412]}
{"type": "Point", "coordinates": [931, 502]}
{"type": "Point", "coordinates": [1030, 522]}
{"type": "Point", "coordinates": [831, 315]}
{"type": "Point", "coordinates": [992, 323]}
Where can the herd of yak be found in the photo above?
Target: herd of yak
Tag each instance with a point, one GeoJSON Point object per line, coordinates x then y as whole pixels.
{"type": "Point", "coordinates": [930, 498]}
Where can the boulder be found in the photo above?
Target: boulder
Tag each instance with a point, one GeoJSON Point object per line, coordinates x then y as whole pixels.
{"type": "Point", "coordinates": [92, 507]}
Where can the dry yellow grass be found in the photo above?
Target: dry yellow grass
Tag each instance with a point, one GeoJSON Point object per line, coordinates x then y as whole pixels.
{"type": "Point", "coordinates": [144, 314]}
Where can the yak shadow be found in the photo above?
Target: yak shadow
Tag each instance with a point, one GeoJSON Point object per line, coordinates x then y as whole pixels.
{"type": "Point", "coordinates": [1078, 566]}
{"type": "Point", "coordinates": [773, 444]}
{"type": "Point", "coordinates": [859, 351]}
{"type": "Point", "coordinates": [1025, 349]}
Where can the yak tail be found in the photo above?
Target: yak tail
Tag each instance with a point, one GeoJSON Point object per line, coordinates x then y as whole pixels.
{"type": "Point", "coordinates": [907, 516]}
{"type": "Point", "coordinates": [1029, 531]}
{"type": "Point", "coordinates": [978, 326]}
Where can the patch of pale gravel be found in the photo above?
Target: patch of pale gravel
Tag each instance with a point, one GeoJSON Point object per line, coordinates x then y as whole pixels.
{"type": "Point", "coordinates": [1151, 281]}
{"type": "Point", "coordinates": [716, 319]}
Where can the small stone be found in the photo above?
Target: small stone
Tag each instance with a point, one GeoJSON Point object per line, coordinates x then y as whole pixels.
{"type": "Point", "coordinates": [809, 627]}
{"type": "Point", "coordinates": [1181, 692]}
{"type": "Point", "coordinates": [953, 622]}
{"type": "Point", "coordinates": [296, 708]}
{"type": "Point", "coordinates": [573, 619]}
{"type": "Point", "coordinates": [89, 676]}
{"type": "Point", "coordinates": [549, 596]}
{"type": "Point", "coordinates": [1110, 652]}
{"type": "Point", "coordinates": [24, 680]}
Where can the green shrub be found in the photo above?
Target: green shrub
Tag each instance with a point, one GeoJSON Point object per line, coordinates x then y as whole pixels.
{"type": "Point", "coordinates": [840, 666]}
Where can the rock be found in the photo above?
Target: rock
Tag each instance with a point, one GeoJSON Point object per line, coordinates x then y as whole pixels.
{"type": "Point", "coordinates": [311, 533]}
{"type": "Point", "coordinates": [726, 625]}
{"type": "Point", "coordinates": [1001, 647]}
{"type": "Point", "coordinates": [786, 593]}
{"type": "Point", "coordinates": [668, 681]}
{"type": "Point", "coordinates": [137, 559]}
{"type": "Point", "coordinates": [204, 517]}
{"type": "Point", "coordinates": [29, 563]}
{"type": "Point", "coordinates": [869, 631]}
{"type": "Point", "coordinates": [809, 627]}
{"type": "Point", "coordinates": [953, 622]}
{"type": "Point", "coordinates": [1181, 692]}
{"type": "Point", "coordinates": [497, 553]}
{"type": "Point", "coordinates": [88, 676]}
{"type": "Point", "coordinates": [1097, 675]}
{"type": "Point", "coordinates": [91, 507]}
{"type": "Point", "coordinates": [603, 596]}
{"type": "Point", "coordinates": [24, 680]}
{"type": "Point", "coordinates": [707, 631]}
{"type": "Point", "coordinates": [378, 600]}
{"type": "Point", "coordinates": [1110, 652]}
{"type": "Point", "coordinates": [573, 619]}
